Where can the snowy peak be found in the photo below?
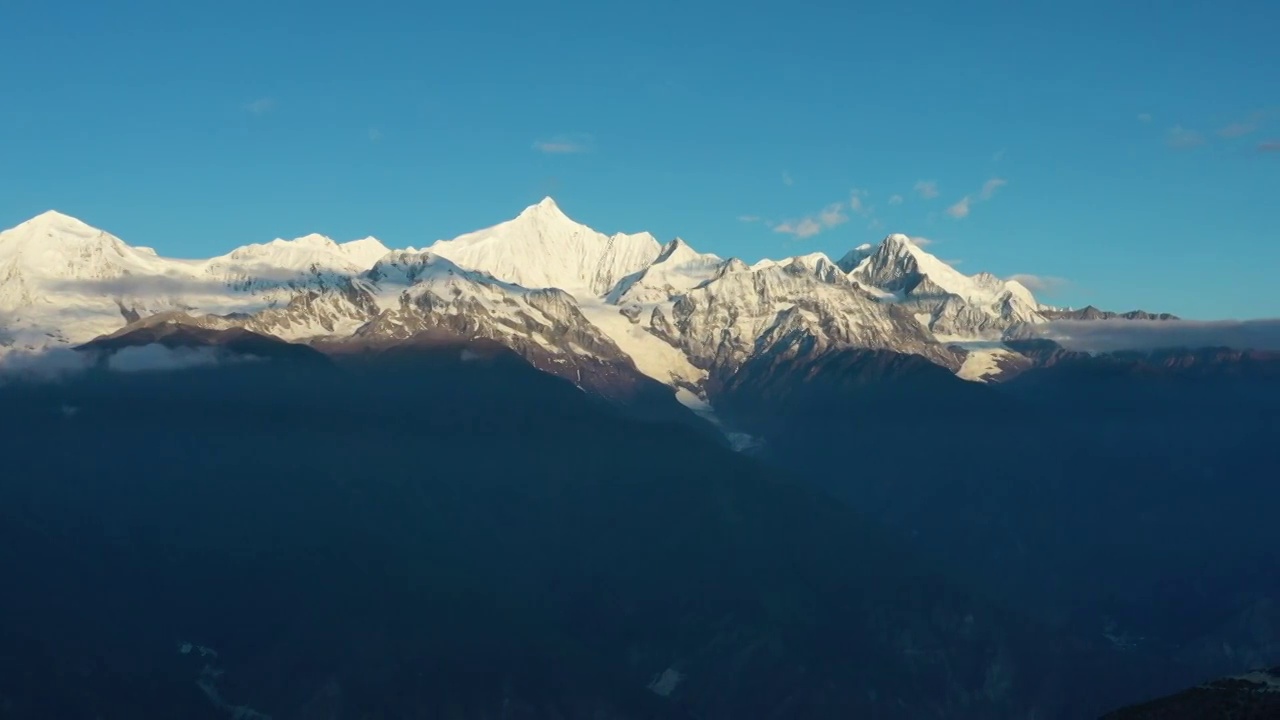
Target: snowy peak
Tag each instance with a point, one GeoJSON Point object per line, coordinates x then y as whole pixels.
{"type": "Point", "coordinates": [677, 269]}
{"type": "Point", "coordinates": [302, 253]}
{"type": "Point", "coordinates": [855, 257]}
{"type": "Point", "coordinates": [813, 262]}
{"type": "Point", "coordinates": [799, 304]}
{"type": "Point", "coordinates": [543, 248]}
{"type": "Point", "coordinates": [50, 230]}
{"type": "Point", "coordinates": [62, 280]}
{"type": "Point", "coordinates": [893, 266]}
{"type": "Point", "coordinates": [312, 240]}
{"type": "Point", "coordinates": [1021, 292]}
{"type": "Point", "coordinates": [547, 215]}
{"type": "Point", "coordinates": [279, 258]}
{"type": "Point", "coordinates": [816, 264]}
{"type": "Point", "coordinates": [678, 252]}
{"type": "Point", "coordinates": [899, 264]}
{"type": "Point", "coordinates": [307, 243]}
{"type": "Point", "coordinates": [52, 221]}
{"type": "Point", "coordinates": [900, 241]}
{"type": "Point", "coordinates": [949, 302]}
{"type": "Point", "coordinates": [53, 246]}
{"type": "Point", "coordinates": [545, 208]}
{"type": "Point", "coordinates": [404, 267]}
{"type": "Point", "coordinates": [365, 251]}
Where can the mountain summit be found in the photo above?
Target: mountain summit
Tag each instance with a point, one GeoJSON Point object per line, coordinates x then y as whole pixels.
{"type": "Point", "coordinates": [543, 247]}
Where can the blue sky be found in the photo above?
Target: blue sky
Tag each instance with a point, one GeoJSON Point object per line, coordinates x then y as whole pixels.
{"type": "Point", "coordinates": [1130, 155]}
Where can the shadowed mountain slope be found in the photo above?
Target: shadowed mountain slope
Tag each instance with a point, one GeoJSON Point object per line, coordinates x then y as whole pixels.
{"type": "Point", "coordinates": [457, 535]}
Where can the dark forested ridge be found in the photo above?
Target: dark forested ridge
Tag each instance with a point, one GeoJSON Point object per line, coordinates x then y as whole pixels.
{"type": "Point", "coordinates": [1127, 496]}
{"type": "Point", "coordinates": [1251, 696]}
{"type": "Point", "coordinates": [441, 530]}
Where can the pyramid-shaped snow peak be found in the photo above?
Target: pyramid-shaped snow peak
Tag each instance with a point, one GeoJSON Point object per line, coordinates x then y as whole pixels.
{"type": "Point", "coordinates": [956, 304]}
{"type": "Point", "coordinates": [899, 264]}
{"type": "Point", "coordinates": [542, 247]}
{"type": "Point", "coordinates": [52, 221]}
{"type": "Point", "coordinates": [53, 247]}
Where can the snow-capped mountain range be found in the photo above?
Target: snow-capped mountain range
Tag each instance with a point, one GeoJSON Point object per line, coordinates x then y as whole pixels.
{"type": "Point", "coordinates": [556, 291]}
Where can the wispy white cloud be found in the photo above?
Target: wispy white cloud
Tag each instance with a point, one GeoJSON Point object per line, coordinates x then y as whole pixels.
{"type": "Point", "coordinates": [1144, 117]}
{"type": "Point", "coordinates": [375, 134]}
{"type": "Point", "coordinates": [564, 145]}
{"type": "Point", "coordinates": [62, 363]}
{"type": "Point", "coordinates": [960, 209]}
{"type": "Point", "coordinates": [150, 358]}
{"type": "Point", "coordinates": [998, 156]}
{"type": "Point", "coordinates": [928, 189]}
{"type": "Point", "coordinates": [1241, 128]}
{"type": "Point", "coordinates": [1116, 335]}
{"type": "Point", "coordinates": [1238, 129]}
{"type": "Point", "coordinates": [857, 203]}
{"type": "Point", "coordinates": [787, 179]}
{"type": "Point", "coordinates": [800, 229]}
{"type": "Point", "coordinates": [832, 215]}
{"type": "Point", "coordinates": [990, 187]}
{"type": "Point", "coordinates": [1269, 146]}
{"type": "Point", "coordinates": [261, 106]}
{"type": "Point", "coordinates": [1180, 137]}
{"type": "Point", "coordinates": [806, 227]}
{"type": "Point", "coordinates": [895, 199]}
{"type": "Point", "coordinates": [47, 366]}
{"type": "Point", "coordinates": [558, 148]}
{"type": "Point", "coordinates": [749, 218]}
{"type": "Point", "coordinates": [1046, 284]}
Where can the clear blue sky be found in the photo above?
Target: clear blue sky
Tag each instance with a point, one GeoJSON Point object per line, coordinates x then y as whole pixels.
{"type": "Point", "coordinates": [1135, 140]}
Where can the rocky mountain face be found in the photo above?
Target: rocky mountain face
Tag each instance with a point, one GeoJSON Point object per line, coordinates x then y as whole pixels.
{"type": "Point", "coordinates": [800, 306]}
{"type": "Point", "coordinates": [948, 302]}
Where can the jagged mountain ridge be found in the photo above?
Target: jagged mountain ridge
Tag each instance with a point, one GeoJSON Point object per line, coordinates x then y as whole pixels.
{"type": "Point", "coordinates": [560, 293]}
{"type": "Point", "coordinates": [1090, 312]}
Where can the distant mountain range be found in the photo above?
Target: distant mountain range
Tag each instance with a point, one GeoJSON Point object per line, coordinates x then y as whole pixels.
{"type": "Point", "coordinates": [574, 301]}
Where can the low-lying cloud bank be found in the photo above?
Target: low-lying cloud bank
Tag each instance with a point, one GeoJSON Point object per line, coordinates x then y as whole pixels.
{"type": "Point", "coordinates": [1117, 335]}
{"type": "Point", "coordinates": [61, 363]}
{"type": "Point", "coordinates": [169, 286]}
{"type": "Point", "coordinates": [144, 358]}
